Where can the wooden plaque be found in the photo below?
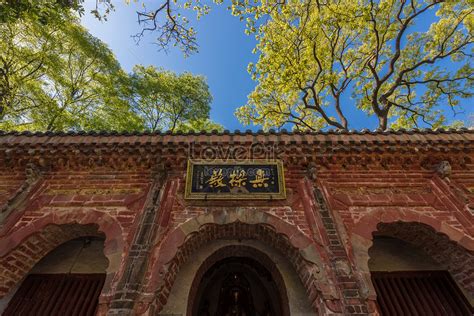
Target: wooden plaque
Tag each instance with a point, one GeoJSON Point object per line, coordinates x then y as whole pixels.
{"type": "Point", "coordinates": [232, 179]}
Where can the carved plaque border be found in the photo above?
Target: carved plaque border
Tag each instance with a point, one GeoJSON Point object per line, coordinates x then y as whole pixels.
{"type": "Point", "coordinates": [277, 165]}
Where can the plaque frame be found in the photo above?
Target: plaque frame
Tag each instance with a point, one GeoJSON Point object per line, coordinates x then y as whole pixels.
{"type": "Point", "coordinates": [189, 195]}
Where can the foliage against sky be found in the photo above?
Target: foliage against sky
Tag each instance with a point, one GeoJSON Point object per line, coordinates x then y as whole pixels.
{"type": "Point", "coordinates": [315, 55]}
{"type": "Point", "coordinates": [311, 53]}
{"type": "Point", "coordinates": [168, 101]}
{"type": "Point", "coordinates": [54, 75]}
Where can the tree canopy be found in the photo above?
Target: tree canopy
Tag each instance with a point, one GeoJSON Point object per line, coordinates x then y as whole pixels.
{"type": "Point", "coordinates": [313, 54]}
{"type": "Point", "coordinates": [319, 61]}
{"type": "Point", "coordinates": [165, 18]}
{"type": "Point", "coordinates": [168, 101]}
{"type": "Point", "coordinates": [54, 75]}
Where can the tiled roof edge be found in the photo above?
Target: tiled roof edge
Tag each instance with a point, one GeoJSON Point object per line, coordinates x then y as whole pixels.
{"type": "Point", "coordinates": [238, 132]}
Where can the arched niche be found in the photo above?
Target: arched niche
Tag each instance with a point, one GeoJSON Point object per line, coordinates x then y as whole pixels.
{"type": "Point", "coordinates": [184, 294]}
{"type": "Point", "coordinates": [411, 257]}
{"type": "Point", "coordinates": [443, 252]}
{"type": "Point", "coordinates": [241, 224]}
{"type": "Point", "coordinates": [238, 266]}
{"type": "Point", "coordinates": [67, 280]}
{"type": "Point", "coordinates": [23, 247]}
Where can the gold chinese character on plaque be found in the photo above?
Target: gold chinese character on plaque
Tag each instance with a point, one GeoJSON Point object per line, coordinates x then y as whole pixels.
{"type": "Point", "coordinates": [233, 179]}
{"type": "Point", "coordinates": [260, 180]}
{"type": "Point", "coordinates": [216, 180]}
{"type": "Point", "coordinates": [238, 178]}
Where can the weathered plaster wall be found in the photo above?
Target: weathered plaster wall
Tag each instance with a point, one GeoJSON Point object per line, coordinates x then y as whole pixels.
{"type": "Point", "coordinates": [391, 254]}
{"type": "Point", "coordinates": [75, 256]}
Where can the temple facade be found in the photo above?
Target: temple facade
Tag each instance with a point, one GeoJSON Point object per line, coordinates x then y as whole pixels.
{"type": "Point", "coordinates": [237, 223]}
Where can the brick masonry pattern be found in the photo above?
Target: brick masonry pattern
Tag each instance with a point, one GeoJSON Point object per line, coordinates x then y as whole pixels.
{"type": "Point", "coordinates": [342, 189]}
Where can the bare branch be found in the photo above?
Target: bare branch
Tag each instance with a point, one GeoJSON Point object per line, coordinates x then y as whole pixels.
{"type": "Point", "coordinates": [171, 31]}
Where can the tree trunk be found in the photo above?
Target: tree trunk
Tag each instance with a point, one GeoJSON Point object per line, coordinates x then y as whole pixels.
{"type": "Point", "coordinates": [383, 122]}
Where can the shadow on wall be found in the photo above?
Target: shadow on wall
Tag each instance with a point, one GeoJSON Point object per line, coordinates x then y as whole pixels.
{"type": "Point", "coordinates": [392, 254]}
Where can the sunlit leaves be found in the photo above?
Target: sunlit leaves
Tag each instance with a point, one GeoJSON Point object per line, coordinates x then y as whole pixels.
{"type": "Point", "coordinates": [56, 76]}
{"type": "Point", "coordinates": [169, 101]}
{"type": "Point", "coordinates": [59, 77]}
{"type": "Point", "coordinates": [382, 53]}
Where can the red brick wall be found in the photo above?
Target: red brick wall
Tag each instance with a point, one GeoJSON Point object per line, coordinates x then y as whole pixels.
{"type": "Point", "coordinates": [360, 194]}
{"type": "Point", "coordinates": [429, 211]}
{"type": "Point", "coordinates": [290, 210]}
{"type": "Point", "coordinates": [10, 182]}
{"type": "Point", "coordinates": [120, 194]}
{"type": "Point", "coordinates": [385, 196]}
{"type": "Point", "coordinates": [109, 199]}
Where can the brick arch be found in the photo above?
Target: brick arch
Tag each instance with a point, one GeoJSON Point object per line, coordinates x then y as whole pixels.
{"type": "Point", "coordinates": [239, 251]}
{"type": "Point", "coordinates": [179, 245]}
{"type": "Point", "coordinates": [445, 244]}
{"type": "Point", "coordinates": [23, 248]}
{"type": "Point", "coordinates": [367, 225]}
{"type": "Point", "coordinates": [449, 254]}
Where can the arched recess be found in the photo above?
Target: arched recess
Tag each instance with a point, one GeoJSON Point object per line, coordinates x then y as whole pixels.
{"type": "Point", "coordinates": [448, 253]}
{"type": "Point", "coordinates": [240, 224]}
{"type": "Point", "coordinates": [23, 248]}
{"type": "Point", "coordinates": [239, 252]}
{"type": "Point", "coordinates": [367, 225]}
{"type": "Point", "coordinates": [66, 280]}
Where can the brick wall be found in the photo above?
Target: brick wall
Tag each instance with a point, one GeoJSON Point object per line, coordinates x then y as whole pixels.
{"type": "Point", "coordinates": [110, 200]}
{"type": "Point", "coordinates": [336, 201]}
{"type": "Point", "coordinates": [10, 182]}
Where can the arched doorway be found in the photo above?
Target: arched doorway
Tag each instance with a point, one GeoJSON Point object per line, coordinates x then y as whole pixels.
{"type": "Point", "coordinates": [176, 257]}
{"type": "Point", "coordinates": [416, 271]}
{"type": "Point", "coordinates": [238, 280]}
{"type": "Point", "coordinates": [68, 280]}
{"type": "Point", "coordinates": [54, 239]}
{"type": "Point", "coordinates": [237, 286]}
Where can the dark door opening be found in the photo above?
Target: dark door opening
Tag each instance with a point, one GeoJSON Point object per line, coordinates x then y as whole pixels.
{"type": "Point", "coordinates": [419, 293]}
{"type": "Point", "coordinates": [237, 286]}
{"type": "Point", "coordinates": [57, 294]}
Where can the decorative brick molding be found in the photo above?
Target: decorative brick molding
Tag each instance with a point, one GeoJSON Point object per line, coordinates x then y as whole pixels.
{"type": "Point", "coordinates": [32, 180]}
{"type": "Point", "coordinates": [346, 275]}
{"type": "Point", "coordinates": [237, 224]}
{"type": "Point", "coordinates": [367, 224]}
{"type": "Point", "coordinates": [129, 286]}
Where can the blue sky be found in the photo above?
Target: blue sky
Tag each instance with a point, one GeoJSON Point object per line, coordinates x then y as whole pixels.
{"type": "Point", "coordinates": [224, 53]}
